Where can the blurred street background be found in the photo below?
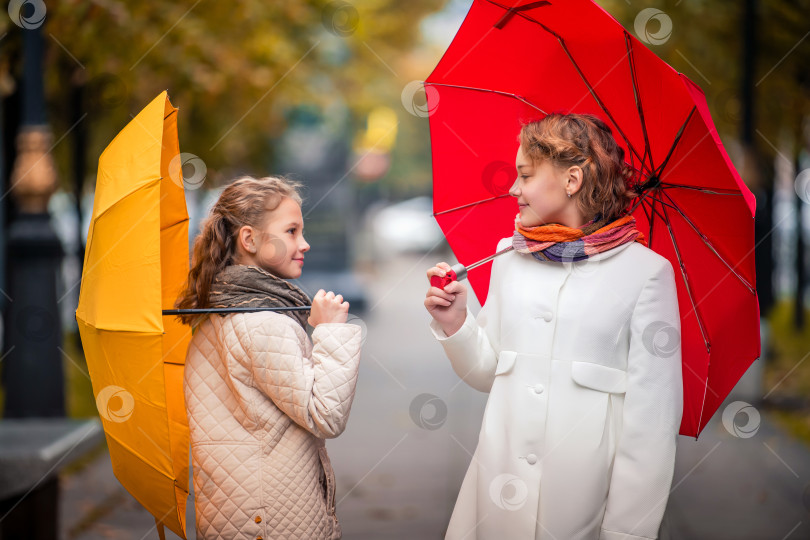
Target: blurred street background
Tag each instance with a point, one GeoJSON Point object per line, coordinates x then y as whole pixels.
{"type": "Point", "coordinates": [329, 93]}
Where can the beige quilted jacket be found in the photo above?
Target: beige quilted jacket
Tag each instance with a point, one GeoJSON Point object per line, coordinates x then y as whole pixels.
{"type": "Point", "coordinates": [261, 398]}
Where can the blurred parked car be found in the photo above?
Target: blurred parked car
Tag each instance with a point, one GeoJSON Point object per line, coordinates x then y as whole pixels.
{"type": "Point", "coordinates": [406, 227]}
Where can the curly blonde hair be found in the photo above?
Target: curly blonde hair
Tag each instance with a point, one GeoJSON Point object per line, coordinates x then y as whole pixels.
{"type": "Point", "coordinates": [586, 141]}
{"type": "Point", "coordinates": [245, 201]}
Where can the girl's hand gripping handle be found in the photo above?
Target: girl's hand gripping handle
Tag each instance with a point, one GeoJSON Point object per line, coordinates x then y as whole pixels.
{"type": "Point", "coordinates": [456, 273]}
{"type": "Point", "coordinates": [448, 307]}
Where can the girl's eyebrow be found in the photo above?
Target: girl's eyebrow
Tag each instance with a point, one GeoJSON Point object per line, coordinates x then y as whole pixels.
{"type": "Point", "coordinates": [521, 166]}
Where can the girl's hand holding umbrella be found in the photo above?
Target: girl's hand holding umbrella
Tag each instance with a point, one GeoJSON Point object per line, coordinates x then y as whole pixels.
{"type": "Point", "coordinates": [328, 308]}
{"type": "Point", "coordinates": [447, 306]}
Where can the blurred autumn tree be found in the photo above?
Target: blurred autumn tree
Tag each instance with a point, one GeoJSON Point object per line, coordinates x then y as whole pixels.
{"type": "Point", "coordinates": [233, 68]}
{"type": "Point", "coordinates": [236, 68]}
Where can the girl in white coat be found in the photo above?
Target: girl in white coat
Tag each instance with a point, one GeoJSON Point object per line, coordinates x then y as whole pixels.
{"type": "Point", "coordinates": [578, 345]}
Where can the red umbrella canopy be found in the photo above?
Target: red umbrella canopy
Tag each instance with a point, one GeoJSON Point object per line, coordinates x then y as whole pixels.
{"type": "Point", "coordinates": [511, 64]}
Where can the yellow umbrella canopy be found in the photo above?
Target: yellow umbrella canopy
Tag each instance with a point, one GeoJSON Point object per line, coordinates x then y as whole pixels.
{"type": "Point", "coordinates": [135, 265]}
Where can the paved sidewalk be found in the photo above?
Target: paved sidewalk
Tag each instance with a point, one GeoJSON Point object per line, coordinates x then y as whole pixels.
{"type": "Point", "coordinates": [725, 488]}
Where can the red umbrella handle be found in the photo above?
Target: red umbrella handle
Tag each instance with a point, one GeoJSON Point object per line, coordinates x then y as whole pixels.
{"type": "Point", "coordinates": [456, 272]}
{"type": "Point", "coordinates": [442, 282]}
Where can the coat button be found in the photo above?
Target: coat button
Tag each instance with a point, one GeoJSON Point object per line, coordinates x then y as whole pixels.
{"type": "Point", "coordinates": [258, 519]}
{"type": "Point", "coordinates": [538, 388]}
{"type": "Point", "coordinates": [547, 316]}
{"type": "Point", "coordinates": [531, 459]}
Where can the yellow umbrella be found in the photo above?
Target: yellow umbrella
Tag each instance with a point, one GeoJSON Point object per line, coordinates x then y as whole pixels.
{"type": "Point", "coordinates": [135, 265]}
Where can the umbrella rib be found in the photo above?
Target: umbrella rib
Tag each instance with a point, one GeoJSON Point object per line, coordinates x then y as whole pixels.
{"type": "Point", "coordinates": [643, 195]}
{"type": "Point", "coordinates": [709, 244]}
{"type": "Point", "coordinates": [710, 191]}
{"type": "Point", "coordinates": [513, 10]}
{"type": "Point", "coordinates": [576, 66]}
{"type": "Point", "coordinates": [665, 218]}
{"type": "Point", "coordinates": [470, 204]}
{"type": "Point", "coordinates": [650, 219]}
{"type": "Point", "coordinates": [697, 314]}
{"type": "Point", "coordinates": [599, 101]}
{"type": "Point", "coordinates": [509, 94]}
{"type": "Point", "coordinates": [705, 240]}
{"type": "Point", "coordinates": [660, 170]}
{"type": "Point", "coordinates": [637, 96]}
{"type": "Point", "coordinates": [652, 205]}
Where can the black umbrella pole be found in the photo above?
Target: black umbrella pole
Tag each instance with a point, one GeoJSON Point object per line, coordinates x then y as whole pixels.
{"type": "Point", "coordinates": [233, 310]}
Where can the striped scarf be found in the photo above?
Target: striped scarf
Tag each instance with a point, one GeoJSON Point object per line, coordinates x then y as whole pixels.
{"type": "Point", "coordinates": [556, 242]}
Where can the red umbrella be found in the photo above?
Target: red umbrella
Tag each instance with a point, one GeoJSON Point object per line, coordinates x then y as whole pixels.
{"type": "Point", "coordinates": [507, 65]}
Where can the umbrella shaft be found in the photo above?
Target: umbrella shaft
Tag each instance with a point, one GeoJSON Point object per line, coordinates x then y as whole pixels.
{"type": "Point", "coordinates": [233, 310]}
{"type": "Point", "coordinates": [483, 261]}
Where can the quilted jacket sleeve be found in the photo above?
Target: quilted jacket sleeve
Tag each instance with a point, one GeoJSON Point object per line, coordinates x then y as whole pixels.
{"type": "Point", "coordinates": [653, 404]}
{"type": "Point", "coordinates": [473, 349]}
{"type": "Point", "coordinates": [317, 391]}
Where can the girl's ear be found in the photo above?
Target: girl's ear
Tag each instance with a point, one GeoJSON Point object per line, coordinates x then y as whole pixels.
{"type": "Point", "coordinates": [574, 178]}
{"type": "Point", "coordinates": [245, 238]}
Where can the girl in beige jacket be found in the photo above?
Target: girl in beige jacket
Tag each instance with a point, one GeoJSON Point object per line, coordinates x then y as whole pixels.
{"type": "Point", "coordinates": [260, 396]}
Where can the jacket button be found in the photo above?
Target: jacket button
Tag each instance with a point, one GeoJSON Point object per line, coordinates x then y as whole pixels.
{"type": "Point", "coordinates": [547, 316]}
{"type": "Point", "coordinates": [538, 388]}
{"type": "Point", "coordinates": [258, 519]}
{"type": "Point", "coordinates": [531, 459]}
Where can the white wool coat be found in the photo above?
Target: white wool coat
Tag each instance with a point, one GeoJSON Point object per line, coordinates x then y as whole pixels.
{"type": "Point", "coordinates": [582, 363]}
{"type": "Point", "coordinates": [260, 399]}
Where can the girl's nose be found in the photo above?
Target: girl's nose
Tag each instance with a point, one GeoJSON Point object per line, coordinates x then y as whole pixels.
{"type": "Point", "coordinates": [514, 191]}
{"type": "Point", "coordinates": [304, 246]}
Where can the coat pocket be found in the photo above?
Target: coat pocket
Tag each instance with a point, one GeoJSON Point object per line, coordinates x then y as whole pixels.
{"type": "Point", "coordinates": [329, 480]}
{"type": "Point", "coordinates": [589, 407]}
{"type": "Point", "coordinates": [506, 361]}
{"type": "Point", "coordinates": [614, 423]}
{"type": "Point", "coordinates": [599, 377]}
